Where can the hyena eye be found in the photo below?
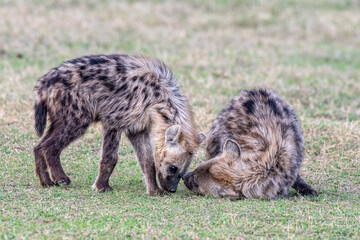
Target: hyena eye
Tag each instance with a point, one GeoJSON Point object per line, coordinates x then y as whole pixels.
{"type": "Point", "coordinates": [173, 169]}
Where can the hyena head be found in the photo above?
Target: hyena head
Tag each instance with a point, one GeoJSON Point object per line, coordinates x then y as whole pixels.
{"type": "Point", "coordinates": [175, 158]}
{"type": "Point", "coordinates": [215, 177]}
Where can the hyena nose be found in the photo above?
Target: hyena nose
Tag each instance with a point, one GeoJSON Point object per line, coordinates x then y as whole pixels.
{"type": "Point", "coordinates": [187, 175]}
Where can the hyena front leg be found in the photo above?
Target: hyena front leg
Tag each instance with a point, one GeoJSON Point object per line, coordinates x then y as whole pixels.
{"type": "Point", "coordinates": [303, 188]}
{"type": "Point", "coordinates": [145, 155]}
{"type": "Point", "coordinates": [109, 159]}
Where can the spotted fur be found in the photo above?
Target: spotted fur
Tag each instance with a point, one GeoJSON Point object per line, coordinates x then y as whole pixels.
{"type": "Point", "coordinates": [254, 150]}
{"type": "Point", "coordinates": [136, 96]}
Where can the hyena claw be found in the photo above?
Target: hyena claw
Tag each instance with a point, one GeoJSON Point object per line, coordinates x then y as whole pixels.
{"type": "Point", "coordinates": [157, 192]}
{"type": "Point", "coordinates": [64, 182]}
{"type": "Point", "coordinates": [102, 189]}
{"type": "Point", "coordinates": [48, 184]}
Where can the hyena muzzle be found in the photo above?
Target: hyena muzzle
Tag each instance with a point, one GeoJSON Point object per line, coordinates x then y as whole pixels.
{"type": "Point", "coordinates": [136, 96]}
{"type": "Point", "coordinates": [254, 150]}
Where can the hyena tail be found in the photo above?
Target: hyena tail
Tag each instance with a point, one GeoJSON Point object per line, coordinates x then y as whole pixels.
{"type": "Point", "coordinates": [40, 117]}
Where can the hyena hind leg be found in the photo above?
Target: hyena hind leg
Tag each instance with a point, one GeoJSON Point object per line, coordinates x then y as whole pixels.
{"type": "Point", "coordinates": [41, 167]}
{"type": "Point", "coordinates": [142, 146]}
{"type": "Point", "coordinates": [109, 159]}
{"type": "Point", "coordinates": [60, 137]}
{"type": "Point", "coordinates": [303, 188]}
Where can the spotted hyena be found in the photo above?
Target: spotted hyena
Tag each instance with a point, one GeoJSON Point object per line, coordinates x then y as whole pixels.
{"type": "Point", "coordinates": [136, 96]}
{"type": "Point", "coordinates": [254, 150]}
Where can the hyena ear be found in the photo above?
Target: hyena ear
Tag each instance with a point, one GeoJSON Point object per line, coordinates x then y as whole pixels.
{"type": "Point", "coordinates": [172, 134]}
{"type": "Point", "coordinates": [231, 146]}
{"type": "Point", "coordinates": [201, 138]}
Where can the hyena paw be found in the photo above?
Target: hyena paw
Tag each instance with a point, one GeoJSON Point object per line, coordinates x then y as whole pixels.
{"type": "Point", "coordinates": [157, 192]}
{"type": "Point", "coordinates": [45, 180]}
{"type": "Point", "coordinates": [64, 180]}
{"type": "Point", "coordinates": [102, 189]}
{"type": "Point", "coordinates": [47, 183]}
{"type": "Point", "coordinates": [309, 191]}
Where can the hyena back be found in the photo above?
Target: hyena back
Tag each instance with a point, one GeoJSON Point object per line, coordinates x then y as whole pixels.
{"type": "Point", "coordinates": [254, 150]}
{"type": "Point", "coordinates": [133, 95]}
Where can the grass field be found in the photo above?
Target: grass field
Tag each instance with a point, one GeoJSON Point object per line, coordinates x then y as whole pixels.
{"type": "Point", "coordinates": [307, 51]}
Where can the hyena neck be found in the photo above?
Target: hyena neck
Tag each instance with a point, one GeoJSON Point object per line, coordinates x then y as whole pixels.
{"type": "Point", "coordinates": [163, 118]}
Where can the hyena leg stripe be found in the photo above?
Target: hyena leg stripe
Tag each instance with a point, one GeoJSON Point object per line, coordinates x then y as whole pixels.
{"type": "Point", "coordinates": [144, 153]}
{"type": "Point", "coordinates": [109, 159]}
{"type": "Point", "coordinates": [303, 188]}
{"type": "Point", "coordinates": [60, 138]}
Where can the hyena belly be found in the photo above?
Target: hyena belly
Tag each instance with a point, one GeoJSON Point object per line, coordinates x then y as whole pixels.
{"type": "Point", "coordinates": [254, 149]}
{"type": "Point", "coordinates": [132, 95]}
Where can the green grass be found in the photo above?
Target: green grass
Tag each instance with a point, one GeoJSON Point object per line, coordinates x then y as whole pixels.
{"type": "Point", "coordinates": [307, 51]}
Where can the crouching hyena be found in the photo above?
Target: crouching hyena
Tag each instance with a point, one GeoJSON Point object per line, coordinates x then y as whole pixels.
{"type": "Point", "coordinates": [254, 150]}
{"type": "Point", "coordinates": [133, 95]}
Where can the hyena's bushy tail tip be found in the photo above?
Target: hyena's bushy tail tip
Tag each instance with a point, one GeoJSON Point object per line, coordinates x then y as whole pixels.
{"type": "Point", "coordinates": [40, 117]}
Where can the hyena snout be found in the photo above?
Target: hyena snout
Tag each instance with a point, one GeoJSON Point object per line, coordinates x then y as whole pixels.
{"type": "Point", "coordinates": [169, 183]}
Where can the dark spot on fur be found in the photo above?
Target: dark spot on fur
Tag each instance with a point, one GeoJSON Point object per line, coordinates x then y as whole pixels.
{"type": "Point", "coordinates": [103, 78]}
{"type": "Point", "coordinates": [76, 121]}
{"type": "Point", "coordinates": [156, 94]}
{"type": "Point", "coordinates": [130, 97]}
{"type": "Point", "coordinates": [252, 93]}
{"type": "Point", "coordinates": [264, 93]}
{"type": "Point", "coordinates": [85, 78]}
{"type": "Point", "coordinates": [63, 102]}
{"type": "Point", "coordinates": [75, 107]}
{"type": "Point", "coordinates": [98, 60]}
{"type": "Point", "coordinates": [121, 89]}
{"type": "Point", "coordinates": [134, 78]}
{"type": "Point", "coordinates": [53, 80]}
{"type": "Point", "coordinates": [287, 111]}
{"type": "Point", "coordinates": [120, 68]}
{"type": "Point", "coordinates": [273, 106]}
{"type": "Point", "coordinates": [213, 148]}
{"type": "Point", "coordinates": [147, 105]}
{"type": "Point", "coordinates": [142, 78]}
{"type": "Point", "coordinates": [135, 89]}
{"type": "Point", "coordinates": [77, 61]}
{"type": "Point", "coordinates": [249, 106]}
{"type": "Point", "coordinates": [145, 97]}
{"type": "Point", "coordinates": [110, 86]}
{"type": "Point", "coordinates": [82, 67]}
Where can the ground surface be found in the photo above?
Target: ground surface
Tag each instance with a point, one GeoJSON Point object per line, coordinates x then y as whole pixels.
{"type": "Point", "coordinates": [307, 51]}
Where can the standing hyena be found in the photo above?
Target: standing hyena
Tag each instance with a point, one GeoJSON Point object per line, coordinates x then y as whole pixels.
{"type": "Point", "coordinates": [133, 95]}
{"type": "Point", "coordinates": [254, 150]}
